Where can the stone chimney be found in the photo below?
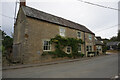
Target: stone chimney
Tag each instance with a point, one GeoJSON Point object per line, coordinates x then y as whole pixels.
{"type": "Point", "coordinates": [22, 3]}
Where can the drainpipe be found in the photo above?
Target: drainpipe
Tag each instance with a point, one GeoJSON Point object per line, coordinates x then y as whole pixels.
{"type": "Point", "coordinates": [84, 45]}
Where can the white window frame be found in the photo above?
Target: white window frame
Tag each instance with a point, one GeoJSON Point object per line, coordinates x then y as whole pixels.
{"type": "Point", "coordinates": [67, 49]}
{"type": "Point", "coordinates": [90, 37]}
{"type": "Point", "coordinates": [79, 37]}
{"type": "Point", "coordinates": [89, 49]}
{"type": "Point", "coordinates": [62, 31]}
{"type": "Point", "coordinates": [80, 47]}
{"type": "Point", "coordinates": [49, 45]}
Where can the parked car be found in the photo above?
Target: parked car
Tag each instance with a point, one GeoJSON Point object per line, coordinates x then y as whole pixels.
{"type": "Point", "coordinates": [91, 54]}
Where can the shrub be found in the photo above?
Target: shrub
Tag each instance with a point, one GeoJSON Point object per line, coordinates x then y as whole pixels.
{"type": "Point", "coordinates": [82, 55]}
{"type": "Point", "coordinates": [62, 42]}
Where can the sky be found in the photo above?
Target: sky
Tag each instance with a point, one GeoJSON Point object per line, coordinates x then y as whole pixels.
{"type": "Point", "coordinates": [102, 21]}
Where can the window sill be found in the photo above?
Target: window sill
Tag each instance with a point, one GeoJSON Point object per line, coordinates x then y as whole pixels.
{"type": "Point", "coordinates": [46, 50]}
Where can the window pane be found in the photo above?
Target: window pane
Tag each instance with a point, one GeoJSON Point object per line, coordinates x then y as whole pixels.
{"type": "Point", "coordinates": [48, 47]}
{"type": "Point", "coordinates": [45, 47]}
{"type": "Point", "coordinates": [90, 37]}
{"type": "Point", "coordinates": [45, 43]}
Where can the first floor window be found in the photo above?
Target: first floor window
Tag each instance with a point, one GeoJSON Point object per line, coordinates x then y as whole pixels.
{"type": "Point", "coordinates": [62, 31]}
{"type": "Point", "coordinates": [90, 37]}
{"type": "Point", "coordinates": [46, 45]}
{"type": "Point", "coordinates": [79, 35]}
{"type": "Point", "coordinates": [79, 48]}
{"type": "Point", "coordinates": [68, 49]}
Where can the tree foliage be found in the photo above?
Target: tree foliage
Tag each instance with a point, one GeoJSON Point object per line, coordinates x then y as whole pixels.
{"type": "Point", "coordinates": [7, 43]}
{"type": "Point", "coordinates": [118, 37]}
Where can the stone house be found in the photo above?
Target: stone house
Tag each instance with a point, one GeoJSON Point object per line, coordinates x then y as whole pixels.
{"type": "Point", "coordinates": [34, 29]}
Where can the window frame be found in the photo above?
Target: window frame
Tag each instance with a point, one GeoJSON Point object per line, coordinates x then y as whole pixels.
{"type": "Point", "coordinates": [89, 48]}
{"type": "Point", "coordinates": [49, 45]}
{"type": "Point", "coordinates": [67, 49]}
{"type": "Point", "coordinates": [62, 33]}
{"type": "Point", "coordinates": [90, 37]}
{"type": "Point", "coordinates": [78, 36]}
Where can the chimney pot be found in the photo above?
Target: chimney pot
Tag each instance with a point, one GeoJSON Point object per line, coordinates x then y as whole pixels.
{"type": "Point", "coordinates": [22, 3]}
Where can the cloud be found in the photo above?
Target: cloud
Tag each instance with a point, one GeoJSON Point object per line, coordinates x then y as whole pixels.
{"type": "Point", "coordinates": [93, 17]}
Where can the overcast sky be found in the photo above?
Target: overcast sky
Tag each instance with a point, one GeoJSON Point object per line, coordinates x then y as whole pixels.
{"type": "Point", "coordinates": [98, 20]}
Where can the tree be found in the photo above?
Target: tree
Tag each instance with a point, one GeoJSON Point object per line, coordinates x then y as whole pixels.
{"type": "Point", "coordinates": [7, 42]}
{"type": "Point", "coordinates": [114, 38]}
{"type": "Point", "coordinates": [118, 37]}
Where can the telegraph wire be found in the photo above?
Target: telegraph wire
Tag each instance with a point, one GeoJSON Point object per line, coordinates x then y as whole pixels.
{"type": "Point", "coordinates": [7, 16]}
{"type": "Point", "coordinates": [107, 28]}
{"type": "Point", "coordinates": [99, 5]}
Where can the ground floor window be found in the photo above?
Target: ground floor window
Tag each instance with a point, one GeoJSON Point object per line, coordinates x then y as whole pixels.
{"type": "Point", "coordinates": [99, 48]}
{"type": "Point", "coordinates": [68, 49]}
{"type": "Point", "coordinates": [89, 48]}
{"type": "Point", "coordinates": [46, 45]}
{"type": "Point", "coordinates": [79, 48]}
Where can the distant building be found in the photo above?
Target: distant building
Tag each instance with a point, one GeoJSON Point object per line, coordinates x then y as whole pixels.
{"type": "Point", "coordinates": [113, 45]}
{"type": "Point", "coordinates": [99, 44]}
{"type": "Point", "coordinates": [102, 39]}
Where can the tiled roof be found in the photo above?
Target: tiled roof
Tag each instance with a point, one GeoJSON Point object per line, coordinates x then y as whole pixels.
{"type": "Point", "coordinates": [33, 13]}
{"type": "Point", "coordinates": [113, 43]}
{"type": "Point", "coordinates": [97, 42]}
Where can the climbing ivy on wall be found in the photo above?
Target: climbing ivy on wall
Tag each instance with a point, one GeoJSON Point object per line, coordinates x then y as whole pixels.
{"type": "Point", "coordinates": [62, 42]}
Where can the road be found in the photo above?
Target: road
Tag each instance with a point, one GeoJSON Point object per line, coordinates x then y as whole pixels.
{"type": "Point", "coordinates": [97, 67]}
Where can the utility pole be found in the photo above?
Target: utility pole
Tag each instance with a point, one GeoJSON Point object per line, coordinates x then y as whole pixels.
{"type": "Point", "coordinates": [118, 21]}
{"type": "Point", "coordinates": [15, 11]}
